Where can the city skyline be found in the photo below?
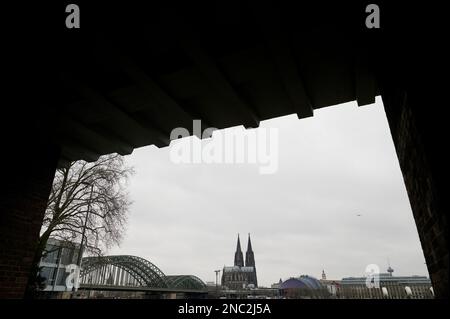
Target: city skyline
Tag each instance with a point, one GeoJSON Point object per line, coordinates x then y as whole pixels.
{"type": "Point", "coordinates": [340, 183]}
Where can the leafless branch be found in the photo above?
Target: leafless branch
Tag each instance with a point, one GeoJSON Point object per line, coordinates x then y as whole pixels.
{"type": "Point", "coordinates": [93, 189]}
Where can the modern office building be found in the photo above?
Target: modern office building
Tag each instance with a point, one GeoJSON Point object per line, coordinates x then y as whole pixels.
{"type": "Point", "coordinates": [389, 287]}
{"type": "Point", "coordinates": [53, 265]}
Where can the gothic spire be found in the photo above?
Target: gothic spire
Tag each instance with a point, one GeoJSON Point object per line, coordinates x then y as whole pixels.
{"type": "Point", "coordinates": [249, 255]}
{"type": "Point", "coordinates": [238, 246]}
{"type": "Point", "coordinates": [238, 256]}
{"type": "Point", "coordinates": [249, 244]}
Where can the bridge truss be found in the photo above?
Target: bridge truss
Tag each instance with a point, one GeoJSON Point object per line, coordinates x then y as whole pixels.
{"type": "Point", "coordinates": [132, 271]}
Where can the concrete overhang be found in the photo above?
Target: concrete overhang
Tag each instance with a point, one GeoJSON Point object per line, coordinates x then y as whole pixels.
{"type": "Point", "coordinates": [133, 74]}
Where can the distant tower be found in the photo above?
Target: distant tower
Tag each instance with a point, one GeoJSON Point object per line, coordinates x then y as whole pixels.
{"type": "Point", "coordinates": [324, 276]}
{"type": "Point", "coordinates": [250, 262]}
{"type": "Point", "coordinates": [390, 270]}
{"type": "Point", "coordinates": [238, 256]}
{"type": "Point", "coordinates": [249, 255]}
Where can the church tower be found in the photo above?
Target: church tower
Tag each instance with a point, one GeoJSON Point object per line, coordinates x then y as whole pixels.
{"type": "Point", "coordinates": [238, 256]}
{"type": "Point", "coordinates": [249, 256]}
{"type": "Point", "coordinates": [239, 277]}
{"type": "Point", "coordinates": [250, 262]}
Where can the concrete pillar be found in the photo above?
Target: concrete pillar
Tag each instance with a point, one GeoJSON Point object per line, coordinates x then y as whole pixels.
{"type": "Point", "coordinates": [417, 131]}
{"type": "Point", "coordinates": [27, 177]}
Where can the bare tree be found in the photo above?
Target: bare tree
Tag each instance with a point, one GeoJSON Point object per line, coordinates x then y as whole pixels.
{"type": "Point", "coordinates": [90, 196]}
{"type": "Point", "coordinates": [93, 190]}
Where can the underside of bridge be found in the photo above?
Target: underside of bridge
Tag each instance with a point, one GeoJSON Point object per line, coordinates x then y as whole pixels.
{"type": "Point", "coordinates": [131, 74]}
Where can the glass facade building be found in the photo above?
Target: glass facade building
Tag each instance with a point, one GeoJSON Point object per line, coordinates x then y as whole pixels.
{"type": "Point", "coordinates": [57, 256]}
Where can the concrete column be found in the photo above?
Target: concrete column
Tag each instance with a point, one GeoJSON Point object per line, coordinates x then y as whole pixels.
{"type": "Point", "coordinates": [417, 131]}
{"type": "Point", "coordinates": [27, 177]}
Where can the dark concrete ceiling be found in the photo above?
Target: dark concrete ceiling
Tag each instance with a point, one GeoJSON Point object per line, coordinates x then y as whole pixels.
{"type": "Point", "coordinates": [131, 74]}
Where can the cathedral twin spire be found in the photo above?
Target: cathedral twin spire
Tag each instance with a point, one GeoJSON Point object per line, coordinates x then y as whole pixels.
{"type": "Point", "coordinates": [249, 255]}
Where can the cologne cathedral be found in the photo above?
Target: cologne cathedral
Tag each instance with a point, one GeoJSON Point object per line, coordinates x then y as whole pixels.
{"type": "Point", "coordinates": [241, 276]}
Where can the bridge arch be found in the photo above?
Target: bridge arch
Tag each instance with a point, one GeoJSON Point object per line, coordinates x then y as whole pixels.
{"type": "Point", "coordinates": [121, 270]}
{"type": "Point", "coordinates": [185, 282]}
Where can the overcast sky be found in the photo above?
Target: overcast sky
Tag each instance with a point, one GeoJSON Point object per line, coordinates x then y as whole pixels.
{"type": "Point", "coordinates": [340, 163]}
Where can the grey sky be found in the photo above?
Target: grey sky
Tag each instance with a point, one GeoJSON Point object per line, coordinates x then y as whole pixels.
{"type": "Point", "coordinates": [302, 219]}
